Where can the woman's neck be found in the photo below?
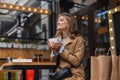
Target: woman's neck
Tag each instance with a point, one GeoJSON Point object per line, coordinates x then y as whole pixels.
{"type": "Point", "coordinates": [65, 35]}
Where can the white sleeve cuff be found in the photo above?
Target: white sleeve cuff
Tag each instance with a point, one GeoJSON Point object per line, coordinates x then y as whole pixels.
{"type": "Point", "coordinates": [52, 54]}
{"type": "Point", "coordinates": [61, 49]}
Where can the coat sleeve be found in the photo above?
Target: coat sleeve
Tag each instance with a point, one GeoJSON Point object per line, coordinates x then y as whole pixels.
{"type": "Point", "coordinates": [76, 57]}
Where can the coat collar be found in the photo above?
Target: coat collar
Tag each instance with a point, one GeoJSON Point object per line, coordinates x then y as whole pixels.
{"type": "Point", "coordinates": [68, 40]}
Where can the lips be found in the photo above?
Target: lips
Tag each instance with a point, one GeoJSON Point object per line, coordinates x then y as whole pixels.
{"type": "Point", "coordinates": [58, 26]}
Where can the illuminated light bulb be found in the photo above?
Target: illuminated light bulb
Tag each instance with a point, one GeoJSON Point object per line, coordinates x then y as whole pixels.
{"type": "Point", "coordinates": [41, 11]}
{"type": "Point", "coordinates": [11, 6]}
{"type": "Point", "coordinates": [75, 16]}
{"type": "Point", "coordinates": [115, 9]}
{"type": "Point", "coordinates": [95, 20]}
{"type": "Point", "coordinates": [4, 5]}
{"type": "Point", "coordinates": [111, 29]}
{"type": "Point", "coordinates": [86, 18]}
{"type": "Point", "coordinates": [17, 7]}
{"type": "Point", "coordinates": [23, 8]}
{"type": "Point", "coordinates": [35, 10]}
{"type": "Point", "coordinates": [99, 21]}
{"type": "Point", "coordinates": [111, 38]}
{"type": "Point", "coordinates": [110, 20]}
{"type": "Point", "coordinates": [83, 17]}
{"type": "Point", "coordinates": [46, 11]}
{"type": "Point", "coordinates": [109, 12]}
{"type": "Point", "coordinates": [112, 47]}
{"type": "Point", "coordinates": [29, 9]}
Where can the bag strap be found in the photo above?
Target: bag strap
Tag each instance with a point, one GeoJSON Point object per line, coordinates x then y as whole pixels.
{"type": "Point", "coordinates": [108, 52]}
{"type": "Point", "coordinates": [58, 61]}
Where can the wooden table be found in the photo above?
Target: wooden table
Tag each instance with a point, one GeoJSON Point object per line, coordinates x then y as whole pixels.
{"type": "Point", "coordinates": [29, 65]}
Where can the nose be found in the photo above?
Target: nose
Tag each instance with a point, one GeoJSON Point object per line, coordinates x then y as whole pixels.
{"type": "Point", "coordinates": [58, 22]}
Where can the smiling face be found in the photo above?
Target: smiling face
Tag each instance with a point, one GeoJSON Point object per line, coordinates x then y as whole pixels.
{"type": "Point", "coordinates": [66, 24]}
{"type": "Point", "coordinates": [62, 24]}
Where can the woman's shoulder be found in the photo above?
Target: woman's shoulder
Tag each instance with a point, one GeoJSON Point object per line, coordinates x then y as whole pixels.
{"type": "Point", "coordinates": [78, 39]}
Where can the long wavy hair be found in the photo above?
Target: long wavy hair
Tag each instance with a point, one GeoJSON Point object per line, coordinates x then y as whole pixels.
{"type": "Point", "coordinates": [72, 23]}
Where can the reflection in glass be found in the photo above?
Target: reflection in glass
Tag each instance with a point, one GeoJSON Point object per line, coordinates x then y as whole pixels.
{"type": "Point", "coordinates": [101, 28]}
{"type": "Point", "coordinates": [24, 25]}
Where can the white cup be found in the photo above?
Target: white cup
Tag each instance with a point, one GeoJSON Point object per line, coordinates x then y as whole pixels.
{"type": "Point", "coordinates": [55, 40]}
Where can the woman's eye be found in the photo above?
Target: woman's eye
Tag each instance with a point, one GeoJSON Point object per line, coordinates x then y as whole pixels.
{"type": "Point", "coordinates": [61, 19]}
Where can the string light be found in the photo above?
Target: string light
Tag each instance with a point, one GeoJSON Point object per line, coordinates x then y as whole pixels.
{"type": "Point", "coordinates": [29, 9]}
{"type": "Point", "coordinates": [86, 18]}
{"type": "Point", "coordinates": [41, 11]}
{"type": "Point", "coordinates": [109, 12]}
{"type": "Point", "coordinates": [83, 17]}
{"type": "Point", "coordinates": [35, 10]}
{"type": "Point", "coordinates": [111, 38]}
{"type": "Point", "coordinates": [46, 11]}
{"type": "Point", "coordinates": [111, 28]}
{"type": "Point", "coordinates": [99, 20]}
{"type": "Point", "coordinates": [24, 8]}
{"type": "Point", "coordinates": [95, 20]}
{"type": "Point", "coordinates": [4, 5]}
{"type": "Point", "coordinates": [11, 6]}
{"type": "Point", "coordinates": [112, 47]}
{"type": "Point", "coordinates": [17, 7]}
{"type": "Point", "coordinates": [115, 9]}
{"type": "Point", "coordinates": [110, 20]}
{"type": "Point", "coordinates": [75, 16]}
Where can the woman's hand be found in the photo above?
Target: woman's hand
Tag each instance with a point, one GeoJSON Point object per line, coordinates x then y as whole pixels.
{"type": "Point", "coordinates": [55, 46]}
{"type": "Point", "coordinates": [49, 45]}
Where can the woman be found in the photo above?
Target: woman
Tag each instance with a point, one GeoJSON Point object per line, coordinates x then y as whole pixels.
{"type": "Point", "coordinates": [70, 46]}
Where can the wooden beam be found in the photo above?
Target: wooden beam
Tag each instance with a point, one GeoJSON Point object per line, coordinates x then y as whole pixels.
{"type": "Point", "coordinates": [89, 10]}
{"type": "Point", "coordinates": [92, 7]}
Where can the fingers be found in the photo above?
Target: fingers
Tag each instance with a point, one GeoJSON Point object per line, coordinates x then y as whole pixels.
{"type": "Point", "coordinates": [49, 44]}
{"type": "Point", "coordinates": [54, 45]}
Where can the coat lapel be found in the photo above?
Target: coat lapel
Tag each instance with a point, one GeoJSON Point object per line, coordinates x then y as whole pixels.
{"type": "Point", "coordinates": [67, 42]}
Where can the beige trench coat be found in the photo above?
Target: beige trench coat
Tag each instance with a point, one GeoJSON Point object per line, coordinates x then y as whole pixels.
{"type": "Point", "coordinates": [72, 55]}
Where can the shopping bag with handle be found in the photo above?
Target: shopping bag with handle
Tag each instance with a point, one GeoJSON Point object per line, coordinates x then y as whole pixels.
{"type": "Point", "coordinates": [115, 74]}
{"type": "Point", "coordinates": [101, 67]}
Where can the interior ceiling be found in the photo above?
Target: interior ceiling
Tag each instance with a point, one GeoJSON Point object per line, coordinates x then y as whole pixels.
{"type": "Point", "coordinates": [11, 16]}
{"type": "Point", "coordinates": [8, 18]}
{"type": "Point", "coordinates": [10, 13]}
{"type": "Point", "coordinates": [33, 3]}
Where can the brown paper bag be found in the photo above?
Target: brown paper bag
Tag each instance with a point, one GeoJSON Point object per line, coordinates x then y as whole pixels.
{"type": "Point", "coordinates": [119, 67]}
{"type": "Point", "coordinates": [115, 68]}
{"type": "Point", "coordinates": [101, 67]}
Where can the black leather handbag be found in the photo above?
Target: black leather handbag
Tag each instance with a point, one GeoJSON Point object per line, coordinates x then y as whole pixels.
{"type": "Point", "coordinates": [62, 74]}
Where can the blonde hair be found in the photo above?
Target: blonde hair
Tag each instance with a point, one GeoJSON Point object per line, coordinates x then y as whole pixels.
{"type": "Point", "coordinates": [71, 21]}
